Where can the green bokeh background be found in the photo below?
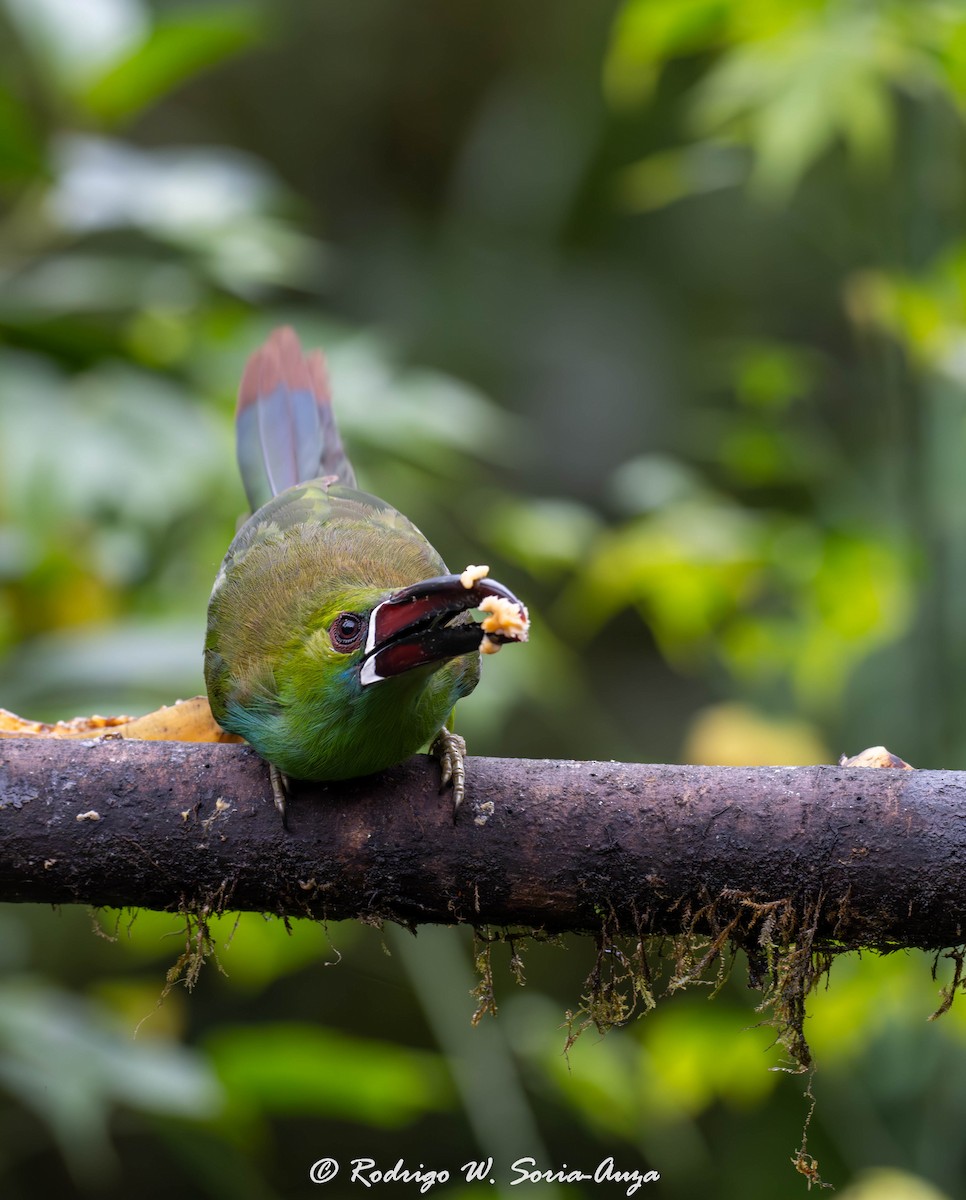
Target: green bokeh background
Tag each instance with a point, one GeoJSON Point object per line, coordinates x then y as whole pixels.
{"type": "Point", "coordinates": [657, 307]}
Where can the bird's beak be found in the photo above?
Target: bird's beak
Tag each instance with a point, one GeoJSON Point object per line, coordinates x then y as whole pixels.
{"type": "Point", "coordinates": [429, 621]}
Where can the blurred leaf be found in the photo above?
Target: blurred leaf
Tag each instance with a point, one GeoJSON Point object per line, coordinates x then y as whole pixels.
{"type": "Point", "coordinates": [924, 311]}
{"type": "Point", "coordinates": [159, 336]}
{"type": "Point", "coordinates": [546, 680]}
{"type": "Point", "coordinates": [137, 1005]}
{"type": "Point", "coordinates": [790, 82]}
{"type": "Point", "coordinates": [211, 209]}
{"type": "Point", "coordinates": [71, 41]}
{"type": "Point", "coordinates": [888, 1183]}
{"type": "Point", "coordinates": [92, 519]}
{"type": "Point", "coordinates": [858, 598]}
{"type": "Point", "coordinates": [250, 254]}
{"type": "Point", "coordinates": [540, 535]}
{"type": "Point", "coordinates": [792, 95]}
{"type": "Point", "coordinates": [252, 950]}
{"type": "Point", "coordinates": [106, 183]}
{"type": "Point", "coordinates": [308, 1069]}
{"type": "Point", "coordinates": [111, 423]}
{"type": "Point", "coordinates": [22, 152]}
{"type": "Point", "coordinates": [646, 35]}
{"type": "Point", "coordinates": [757, 456]}
{"type": "Point", "coordinates": [601, 1079]}
{"type": "Point", "coordinates": [176, 49]}
{"type": "Point", "coordinates": [654, 481]}
{"type": "Point", "coordinates": [769, 376]}
{"type": "Point", "coordinates": [424, 416]}
{"type": "Point", "coordinates": [685, 567]}
{"type": "Point", "coordinates": [76, 284]}
{"type": "Point", "coordinates": [945, 33]}
{"type": "Point", "coordinates": [872, 998]}
{"type": "Point", "coordinates": [61, 1059]}
{"type": "Point", "coordinates": [389, 413]}
{"type": "Point", "coordinates": [671, 175]}
{"type": "Point", "coordinates": [118, 667]}
{"type": "Point", "coordinates": [734, 735]}
{"type": "Point", "coordinates": [694, 1055]}
{"type": "Point", "coordinates": [662, 1071]}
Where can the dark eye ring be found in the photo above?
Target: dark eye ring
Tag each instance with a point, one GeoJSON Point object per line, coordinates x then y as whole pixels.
{"type": "Point", "coordinates": [346, 631]}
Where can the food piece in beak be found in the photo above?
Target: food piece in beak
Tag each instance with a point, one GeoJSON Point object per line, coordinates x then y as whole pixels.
{"type": "Point", "coordinates": [507, 618]}
{"type": "Point", "coordinates": [472, 575]}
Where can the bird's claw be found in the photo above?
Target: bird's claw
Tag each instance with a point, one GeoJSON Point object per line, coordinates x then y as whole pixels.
{"type": "Point", "coordinates": [450, 749]}
{"type": "Point", "coordinates": [279, 791]}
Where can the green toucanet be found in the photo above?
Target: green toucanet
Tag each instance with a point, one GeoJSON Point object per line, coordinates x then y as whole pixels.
{"type": "Point", "coordinates": [337, 642]}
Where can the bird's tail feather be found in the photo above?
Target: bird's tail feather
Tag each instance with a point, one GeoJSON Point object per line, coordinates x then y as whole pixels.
{"type": "Point", "coordinates": [285, 427]}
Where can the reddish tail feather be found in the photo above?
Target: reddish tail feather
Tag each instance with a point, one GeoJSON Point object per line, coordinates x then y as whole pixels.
{"type": "Point", "coordinates": [285, 426]}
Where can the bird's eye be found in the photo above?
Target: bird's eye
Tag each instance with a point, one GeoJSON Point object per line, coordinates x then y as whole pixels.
{"type": "Point", "coordinates": [346, 631]}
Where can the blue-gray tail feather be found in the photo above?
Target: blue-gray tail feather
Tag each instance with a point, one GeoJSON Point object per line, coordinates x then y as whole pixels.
{"type": "Point", "coordinates": [285, 427]}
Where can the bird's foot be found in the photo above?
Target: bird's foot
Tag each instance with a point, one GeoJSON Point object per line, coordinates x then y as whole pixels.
{"type": "Point", "coordinates": [450, 749]}
{"type": "Point", "coordinates": [279, 783]}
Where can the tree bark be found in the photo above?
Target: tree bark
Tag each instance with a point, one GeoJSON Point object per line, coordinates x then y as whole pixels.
{"type": "Point", "coordinates": [866, 857]}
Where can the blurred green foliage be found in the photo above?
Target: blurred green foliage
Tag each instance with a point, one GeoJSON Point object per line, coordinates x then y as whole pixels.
{"type": "Point", "coordinates": [657, 306]}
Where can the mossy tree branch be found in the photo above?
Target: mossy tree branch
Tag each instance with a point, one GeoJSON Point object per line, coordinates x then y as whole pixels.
{"type": "Point", "coordinates": [864, 857]}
